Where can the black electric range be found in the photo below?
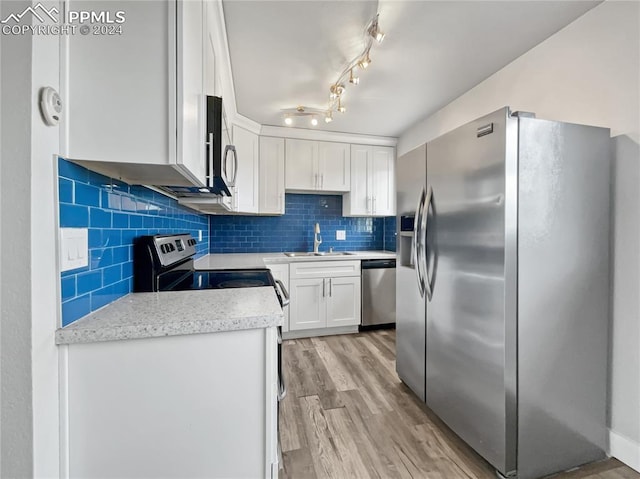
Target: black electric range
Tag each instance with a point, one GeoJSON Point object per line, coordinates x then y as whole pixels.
{"type": "Point", "coordinates": [165, 263]}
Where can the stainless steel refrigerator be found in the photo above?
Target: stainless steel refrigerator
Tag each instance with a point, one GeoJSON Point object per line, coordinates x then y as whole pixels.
{"type": "Point", "coordinates": [503, 288]}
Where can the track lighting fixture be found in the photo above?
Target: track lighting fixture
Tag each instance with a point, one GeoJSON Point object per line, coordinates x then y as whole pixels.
{"type": "Point", "coordinates": [337, 89]}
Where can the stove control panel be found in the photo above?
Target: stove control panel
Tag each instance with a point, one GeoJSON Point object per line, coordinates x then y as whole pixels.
{"type": "Point", "coordinates": [173, 248]}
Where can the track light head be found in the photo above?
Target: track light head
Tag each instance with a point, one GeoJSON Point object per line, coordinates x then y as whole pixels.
{"type": "Point", "coordinates": [353, 80]}
{"type": "Point", "coordinates": [314, 121]}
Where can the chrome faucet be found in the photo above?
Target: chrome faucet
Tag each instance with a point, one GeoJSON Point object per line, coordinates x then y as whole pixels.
{"type": "Point", "coordinates": [317, 239]}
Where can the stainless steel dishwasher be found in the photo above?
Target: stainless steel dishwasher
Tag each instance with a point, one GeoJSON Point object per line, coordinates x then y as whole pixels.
{"type": "Point", "coordinates": [378, 293]}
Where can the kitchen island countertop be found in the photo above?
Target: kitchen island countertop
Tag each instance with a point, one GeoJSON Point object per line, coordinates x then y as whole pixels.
{"type": "Point", "coordinates": [173, 313]}
{"type": "Point", "coordinates": [262, 260]}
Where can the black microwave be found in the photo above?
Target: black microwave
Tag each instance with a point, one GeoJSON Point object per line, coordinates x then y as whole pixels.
{"type": "Point", "coordinates": [222, 160]}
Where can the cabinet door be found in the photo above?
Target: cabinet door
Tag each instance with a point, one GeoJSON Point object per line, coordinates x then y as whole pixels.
{"type": "Point", "coordinates": [334, 166]}
{"type": "Point", "coordinates": [209, 53]}
{"type": "Point", "coordinates": [343, 301]}
{"type": "Point", "coordinates": [301, 160]}
{"type": "Point", "coordinates": [108, 118]}
{"type": "Point", "coordinates": [359, 199]}
{"type": "Point", "coordinates": [190, 90]}
{"type": "Point", "coordinates": [246, 144]}
{"type": "Point", "coordinates": [308, 305]}
{"type": "Point", "coordinates": [281, 272]}
{"type": "Point", "coordinates": [383, 181]}
{"type": "Point", "coordinates": [271, 175]}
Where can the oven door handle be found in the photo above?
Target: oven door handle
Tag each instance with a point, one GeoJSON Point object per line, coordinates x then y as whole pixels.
{"type": "Point", "coordinates": [282, 389]}
{"type": "Point", "coordinates": [282, 386]}
{"type": "Point", "coordinates": [284, 294]}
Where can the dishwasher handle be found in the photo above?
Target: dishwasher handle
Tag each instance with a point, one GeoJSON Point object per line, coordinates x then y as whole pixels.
{"type": "Point", "coordinates": [378, 263]}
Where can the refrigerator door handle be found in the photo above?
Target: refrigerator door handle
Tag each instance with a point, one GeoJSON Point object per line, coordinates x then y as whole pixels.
{"type": "Point", "coordinates": [417, 221]}
{"type": "Point", "coordinates": [425, 216]}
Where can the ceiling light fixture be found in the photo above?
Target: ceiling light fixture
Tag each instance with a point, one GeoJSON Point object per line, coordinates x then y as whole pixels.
{"type": "Point", "coordinates": [337, 89]}
{"type": "Point", "coordinates": [290, 114]}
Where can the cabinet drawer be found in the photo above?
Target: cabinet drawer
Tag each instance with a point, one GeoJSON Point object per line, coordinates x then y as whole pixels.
{"type": "Point", "coordinates": [324, 269]}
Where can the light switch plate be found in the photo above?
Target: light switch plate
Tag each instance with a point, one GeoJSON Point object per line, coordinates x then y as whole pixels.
{"type": "Point", "coordinates": [74, 248]}
{"type": "Point", "coordinates": [341, 234]}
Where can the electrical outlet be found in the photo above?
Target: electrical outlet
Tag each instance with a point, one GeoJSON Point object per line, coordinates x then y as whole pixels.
{"type": "Point", "coordinates": [341, 235]}
{"type": "Point", "coordinates": [199, 235]}
{"type": "Point", "coordinates": [74, 248]}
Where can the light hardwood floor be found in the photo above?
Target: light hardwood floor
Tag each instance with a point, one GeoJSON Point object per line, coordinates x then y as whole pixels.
{"type": "Point", "coordinates": [347, 415]}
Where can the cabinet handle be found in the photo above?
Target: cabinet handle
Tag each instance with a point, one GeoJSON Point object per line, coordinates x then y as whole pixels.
{"type": "Point", "coordinates": [210, 158]}
{"type": "Point", "coordinates": [324, 281]}
{"type": "Point", "coordinates": [315, 180]}
{"type": "Point", "coordinates": [330, 287]}
{"type": "Point", "coordinates": [280, 202]}
{"type": "Point", "coordinates": [321, 181]}
{"type": "Point", "coordinates": [374, 205]}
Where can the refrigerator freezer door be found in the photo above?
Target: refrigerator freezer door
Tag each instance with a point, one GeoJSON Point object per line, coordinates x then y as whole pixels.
{"type": "Point", "coordinates": [469, 333]}
{"type": "Point", "coordinates": [410, 303]}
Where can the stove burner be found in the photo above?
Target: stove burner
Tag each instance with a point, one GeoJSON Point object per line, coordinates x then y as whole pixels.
{"type": "Point", "coordinates": [242, 283]}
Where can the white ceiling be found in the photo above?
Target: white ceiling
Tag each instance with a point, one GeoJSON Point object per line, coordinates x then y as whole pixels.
{"type": "Point", "coordinates": [288, 53]}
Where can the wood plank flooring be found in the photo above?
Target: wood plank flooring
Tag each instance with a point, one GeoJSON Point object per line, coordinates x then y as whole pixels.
{"type": "Point", "coordinates": [348, 415]}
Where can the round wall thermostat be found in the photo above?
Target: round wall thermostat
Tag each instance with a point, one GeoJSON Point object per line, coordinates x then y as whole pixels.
{"type": "Point", "coordinates": [50, 106]}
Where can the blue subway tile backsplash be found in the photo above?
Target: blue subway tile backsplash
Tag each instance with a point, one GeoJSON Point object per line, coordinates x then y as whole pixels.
{"type": "Point", "coordinates": [294, 230]}
{"type": "Point", "coordinates": [390, 233]}
{"type": "Point", "coordinates": [115, 213]}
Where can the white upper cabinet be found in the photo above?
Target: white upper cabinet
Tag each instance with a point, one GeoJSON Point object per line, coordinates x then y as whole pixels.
{"type": "Point", "coordinates": [358, 202]}
{"type": "Point", "coordinates": [383, 184]}
{"type": "Point", "coordinates": [317, 166]}
{"type": "Point", "coordinates": [210, 71]}
{"type": "Point", "coordinates": [246, 144]}
{"type": "Point", "coordinates": [301, 159]}
{"type": "Point", "coordinates": [134, 102]}
{"type": "Point", "coordinates": [334, 166]}
{"type": "Point", "coordinates": [372, 182]}
{"type": "Point", "coordinates": [191, 94]}
{"type": "Point", "coordinates": [271, 173]}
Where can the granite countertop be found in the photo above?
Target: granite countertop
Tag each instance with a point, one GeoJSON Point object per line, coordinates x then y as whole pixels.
{"type": "Point", "coordinates": [261, 260]}
{"type": "Point", "coordinates": [173, 313]}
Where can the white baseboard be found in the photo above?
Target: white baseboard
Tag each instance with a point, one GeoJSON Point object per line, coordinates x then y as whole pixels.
{"type": "Point", "coordinates": [624, 449]}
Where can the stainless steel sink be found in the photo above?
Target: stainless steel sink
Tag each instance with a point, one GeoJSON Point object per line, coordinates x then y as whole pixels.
{"type": "Point", "coordinates": [321, 253]}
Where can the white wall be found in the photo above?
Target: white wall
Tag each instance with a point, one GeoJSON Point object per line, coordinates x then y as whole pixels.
{"type": "Point", "coordinates": [15, 142]}
{"type": "Point", "coordinates": [586, 73]}
{"type": "Point", "coordinates": [45, 282]}
{"type": "Point", "coordinates": [29, 444]}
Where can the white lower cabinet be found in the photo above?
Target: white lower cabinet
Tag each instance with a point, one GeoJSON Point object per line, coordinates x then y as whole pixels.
{"type": "Point", "coordinates": [200, 405]}
{"type": "Point", "coordinates": [308, 305]}
{"type": "Point", "coordinates": [343, 304]}
{"type": "Point", "coordinates": [324, 294]}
